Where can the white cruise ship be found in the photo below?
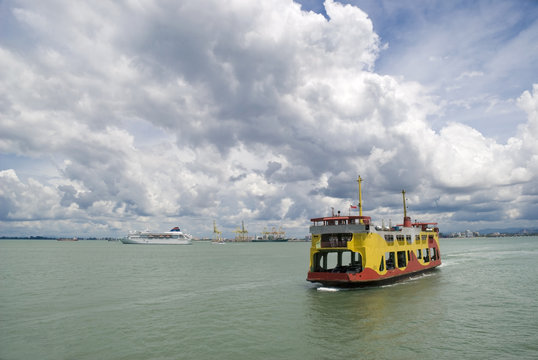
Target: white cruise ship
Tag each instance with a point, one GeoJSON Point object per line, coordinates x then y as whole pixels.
{"type": "Point", "coordinates": [172, 237]}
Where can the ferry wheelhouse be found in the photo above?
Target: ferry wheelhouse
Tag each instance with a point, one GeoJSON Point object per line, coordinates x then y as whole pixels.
{"type": "Point", "coordinates": [352, 251]}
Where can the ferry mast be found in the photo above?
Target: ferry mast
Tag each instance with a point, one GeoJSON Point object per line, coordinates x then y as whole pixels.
{"type": "Point", "coordinates": [359, 180]}
{"type": "Point", "coordinates": [405, 207]}
{"type": "Point", "coordinates": [407, 219]}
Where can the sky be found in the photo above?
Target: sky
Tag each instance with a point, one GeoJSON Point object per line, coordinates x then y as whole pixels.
{"type": "Point", "coordinates": [124, 115]}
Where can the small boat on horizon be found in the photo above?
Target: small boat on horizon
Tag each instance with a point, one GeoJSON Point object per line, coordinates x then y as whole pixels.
{"type": "Point", "coordinates": [350, 251]}
{"type": "Point", "coordinates": [67, 239]}
{"type": "Point", "coordinates": [173, 237]}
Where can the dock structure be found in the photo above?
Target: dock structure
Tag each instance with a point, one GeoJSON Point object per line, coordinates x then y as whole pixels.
{"type": "Point", "coordinates": [217, 235]}
{"type": "Point", "coordinates": [241, 234]}
{"type": "Point", "coordinates": [273, 234]}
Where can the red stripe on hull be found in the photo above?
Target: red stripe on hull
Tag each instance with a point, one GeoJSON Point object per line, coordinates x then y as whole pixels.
{"type": "Point", "coordinates": [369, 276]}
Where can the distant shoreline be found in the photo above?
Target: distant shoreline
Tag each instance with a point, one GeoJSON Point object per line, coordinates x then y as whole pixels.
{"type": "Point", "coordinates": [442, 236]}
{"type": "Point", "coordinates": [53, 238]}
{"type": "Point", "coordinates": [487, 236]}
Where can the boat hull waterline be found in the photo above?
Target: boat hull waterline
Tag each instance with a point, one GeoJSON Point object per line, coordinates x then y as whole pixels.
{"type": "Point", "coordinates": [155, 242]}
{"type": "Point", "coordinates": [353, 281]}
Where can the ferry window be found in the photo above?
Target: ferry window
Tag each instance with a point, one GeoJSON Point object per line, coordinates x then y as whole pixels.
{"type": "Point", "coordinates": [419, 253]}
{"type": "Point", "coordinates": [408, 255]}
{"type": "Point", "coordinates": [424, 237]}
{"type": "Point", "coordinates": [332, 260]}
{"type": "Point", "coordinates": [408, 238]}
{"type": "Point", "coordinates": [335, 240]}
{"type": "Point", "coordinates": [318, 262]}
{"type": "Point", "coordinates": [390, 260]}
{"type": "Point", "coordinates": [389, 238]}
{"type": "Point", "coordinates": [356, 266]}
{"type": "Point", "coordinates": [426, 255]}
{"type": "Point", "coordinates": [337, 261]}
{"type": "Point", "coordinates": [351, 262]}
{"type": "Point", "coordinates": [324, 261]}
{"type": "Point", "coordinates": [434, 255]}
{"type": "Point", "coordinates": [401, 259]}
{"type": "Point", "coordinates": [344, 258]}
{"type": "Point", "coordinates": [382, 265]}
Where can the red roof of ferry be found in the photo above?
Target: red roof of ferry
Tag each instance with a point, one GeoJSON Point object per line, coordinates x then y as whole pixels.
{"type": "Point", "coordinates": [329, 218]}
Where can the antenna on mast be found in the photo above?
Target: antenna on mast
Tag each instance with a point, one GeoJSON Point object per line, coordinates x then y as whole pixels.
{"type": "Point", "coordinates": [405, 207]}
{"type": "Point", "coordinates": [359, 180]}
{"type": "Point", "coordinates": [407, 219]}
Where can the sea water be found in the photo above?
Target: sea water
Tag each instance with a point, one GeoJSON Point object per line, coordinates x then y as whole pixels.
{"type": "Point", "coordinates": [106, 300]}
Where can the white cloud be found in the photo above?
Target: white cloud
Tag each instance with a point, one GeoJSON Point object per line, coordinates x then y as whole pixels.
{"type": "Point", "coordinates": [526, 142]}
{"type": "Point", "coordinates": [470, 74]}
{"type": "Point", "coordinates": [155, 113]}
{"type": "Point", "coordinates": [28, 206]}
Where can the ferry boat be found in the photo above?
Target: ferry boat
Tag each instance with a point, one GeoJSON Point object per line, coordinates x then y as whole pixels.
{"type": "Point", "coordinates": [350, 251]}
{"type": "Point", "coordinates": [173, 237]}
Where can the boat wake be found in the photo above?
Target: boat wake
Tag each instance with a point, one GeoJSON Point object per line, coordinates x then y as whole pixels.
{"type": "Point", "coordinates": [329, 289]}
{"type": "Point", "coordinates": [410, 279]}
{"type": "Point", "coordinates": [447, 263]}
{"type": "Point", "coordinates": [399, 282]}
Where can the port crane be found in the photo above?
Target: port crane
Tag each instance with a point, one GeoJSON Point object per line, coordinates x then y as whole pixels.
{"type": "Point", "coordinates": [217, 236]}
{"type": "Point", "coordinates": [241, 234]}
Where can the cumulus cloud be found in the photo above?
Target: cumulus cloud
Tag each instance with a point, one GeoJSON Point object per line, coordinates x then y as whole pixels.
{"type": "Point", "coordinates": [155, 113]}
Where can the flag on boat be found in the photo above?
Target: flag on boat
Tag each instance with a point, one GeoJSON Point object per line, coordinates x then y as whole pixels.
{"type": "Point", "coordinates": [175, 229]}
{"type": "Point", "coordinates": [353, 207]}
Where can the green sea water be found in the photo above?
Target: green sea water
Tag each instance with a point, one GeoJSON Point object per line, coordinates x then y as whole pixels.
{"type": "Point", "coordinates": [106, 300]}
